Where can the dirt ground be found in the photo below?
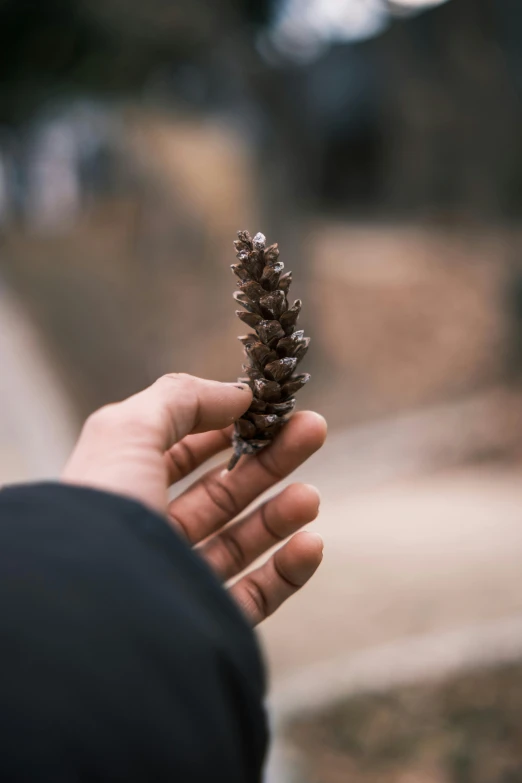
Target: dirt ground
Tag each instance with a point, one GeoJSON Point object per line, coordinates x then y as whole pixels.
{"type": "Point", "coordinates": [466, 729]}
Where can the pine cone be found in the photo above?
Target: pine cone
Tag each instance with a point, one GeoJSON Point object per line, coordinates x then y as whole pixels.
{"type": "Point", "coordinates": [276, 348]}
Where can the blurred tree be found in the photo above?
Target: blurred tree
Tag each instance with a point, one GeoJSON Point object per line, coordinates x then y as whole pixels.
{"type": "Point", "coordinates": [424, 118]}
{"type": "Point", "coordinates": [453, 113]}
{"type": "Point", "coordinates": [53, 48]}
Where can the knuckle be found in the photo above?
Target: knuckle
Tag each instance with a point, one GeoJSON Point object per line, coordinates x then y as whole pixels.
{"type": "Point", "coordinates": [234, 553]}
{"type": "Point", "coordinates": [220, 496]}
{"type": "Point", "coordinates": [178, 378]}
{"type": "Point", "coordinates": [258, 597]}
{"type": "Point", "coordinates": [183, 460]}
{"type": "Point", "coordinates": [104, 419]}
{"type": "Point", "coordinates": [182, 389]}
{"type": "Point", "coordinates": [270, 466]}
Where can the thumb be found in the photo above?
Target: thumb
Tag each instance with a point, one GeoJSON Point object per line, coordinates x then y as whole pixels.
{"type": "Point", "coordinates": [178, 404]}
{"type": "Point", "coordinates": [121, 448]}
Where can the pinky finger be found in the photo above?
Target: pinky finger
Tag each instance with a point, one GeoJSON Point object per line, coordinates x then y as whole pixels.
{"type": "Point", "coordinates": [262, 591]}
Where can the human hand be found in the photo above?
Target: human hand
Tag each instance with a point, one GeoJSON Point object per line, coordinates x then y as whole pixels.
{"type": "Point", "coordinates": [143, 445]}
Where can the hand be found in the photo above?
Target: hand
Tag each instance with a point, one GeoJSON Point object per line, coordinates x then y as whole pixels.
{"type": "Point", "coordinates": [141, 446]}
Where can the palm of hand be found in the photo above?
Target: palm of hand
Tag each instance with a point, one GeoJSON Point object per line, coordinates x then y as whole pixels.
{"type": "Point", "coordinates": [149, 442]}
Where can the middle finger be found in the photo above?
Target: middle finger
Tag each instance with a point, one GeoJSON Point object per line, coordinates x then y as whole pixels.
{"type": "Point", "coordinates": [219, 496]}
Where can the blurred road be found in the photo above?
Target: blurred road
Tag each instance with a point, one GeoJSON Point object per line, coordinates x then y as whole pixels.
{"type": "Point", "coordinates": [407, 558]}
{"type": "Point", "coordinates": [413, 546]}
{"type": "Point", "coordinates": [421, 575]}
{"type": "Point", "coordinates": [36, 423]}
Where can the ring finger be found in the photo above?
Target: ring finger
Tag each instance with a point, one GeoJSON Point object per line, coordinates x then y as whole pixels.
{"type": "Point", "coordinates": [233, 549]}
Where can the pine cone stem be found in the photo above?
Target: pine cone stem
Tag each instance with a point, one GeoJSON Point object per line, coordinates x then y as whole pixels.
{"type": "Point", "coordinates": [273, 349]}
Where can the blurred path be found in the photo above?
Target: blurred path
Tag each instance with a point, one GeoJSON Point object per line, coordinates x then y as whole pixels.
{"type": "Point", "coordinates": [412, 550]}
{"type": "Point", "coordinates": [406, 559]}
{"type": "Point", "coordinates": [421, 577]}
{"type": "Point", "coordinates": [36, 423]}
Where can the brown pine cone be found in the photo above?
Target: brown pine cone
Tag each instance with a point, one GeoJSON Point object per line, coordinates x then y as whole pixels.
{"type": "Point", "coordinates": [276, 348]}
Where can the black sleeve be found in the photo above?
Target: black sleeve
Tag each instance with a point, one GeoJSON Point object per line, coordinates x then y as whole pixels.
{"type": "Point", "coordinates": [122, 658]}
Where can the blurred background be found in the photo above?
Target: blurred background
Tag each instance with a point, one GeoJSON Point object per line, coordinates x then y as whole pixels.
{"type": "Point", "coordinates": [380, 143]}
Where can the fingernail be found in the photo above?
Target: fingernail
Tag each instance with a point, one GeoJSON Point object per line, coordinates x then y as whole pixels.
{"type": "Point", "coordinates": [316, 536]}
{"type": "Point", "coordinates": [314, 488]}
